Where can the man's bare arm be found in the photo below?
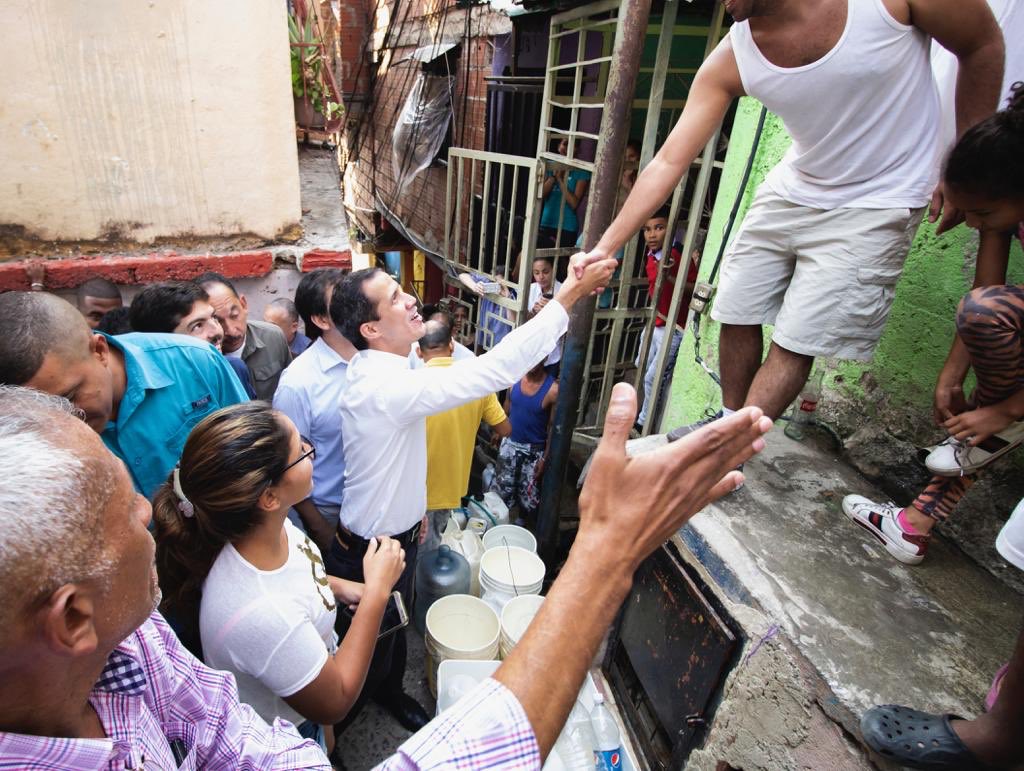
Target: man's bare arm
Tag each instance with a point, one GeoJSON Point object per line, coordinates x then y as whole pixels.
{"type": "Point", "coordinates": [968, 30]}
{"type": "Point", "coordinates": [652, 495]}
{"type": "Point", "coordinates": [715, 85]}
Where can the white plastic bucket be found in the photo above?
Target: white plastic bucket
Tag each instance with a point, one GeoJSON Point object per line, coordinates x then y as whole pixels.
{"type": "Point", "coordinates": [457, 677]}
{"type": "Point", "coordinates": [511, 570]}
{"type": "Point", "coordinates": [459, 626]}
{"type": "Point", "coordinates": [510, 535]}
{"type": "Point", "coordinates": [515, 618]}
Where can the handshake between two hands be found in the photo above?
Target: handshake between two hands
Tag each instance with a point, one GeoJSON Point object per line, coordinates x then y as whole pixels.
{"type": "Point", "coordinates": [590, 272]}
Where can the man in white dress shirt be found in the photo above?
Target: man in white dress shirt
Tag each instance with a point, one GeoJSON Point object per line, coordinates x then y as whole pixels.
{"type": "Point", "coordinates": [309, 392]}
{"type": "Point", "coordinates": [383, 415]}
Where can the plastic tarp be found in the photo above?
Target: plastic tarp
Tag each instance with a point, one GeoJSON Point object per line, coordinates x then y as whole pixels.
{"type": "Point", "coordinates": [421, 127]}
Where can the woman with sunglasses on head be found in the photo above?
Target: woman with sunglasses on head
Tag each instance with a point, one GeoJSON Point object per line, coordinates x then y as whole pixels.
{"type": "Point", "coordinates": [247, 590]}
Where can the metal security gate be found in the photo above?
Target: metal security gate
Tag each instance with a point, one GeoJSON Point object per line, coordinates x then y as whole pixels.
{"type": "Point", "coordinates": [619, 346]}
{"type": "Point", "coordinates": [490, 221]}
{"type": "Point", "coordinates": [495, 201]}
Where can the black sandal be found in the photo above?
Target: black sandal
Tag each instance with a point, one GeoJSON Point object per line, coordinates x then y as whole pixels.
{"type": "Point", "coordinates": [916, 739]}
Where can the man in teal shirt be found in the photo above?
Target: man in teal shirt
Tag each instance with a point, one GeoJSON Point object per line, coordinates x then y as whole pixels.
{"type": "Point", "coordinates": [142, 393]}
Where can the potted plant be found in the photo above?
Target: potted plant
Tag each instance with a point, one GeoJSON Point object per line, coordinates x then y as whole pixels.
{"type": "Point", "coordinates": [317, 104]}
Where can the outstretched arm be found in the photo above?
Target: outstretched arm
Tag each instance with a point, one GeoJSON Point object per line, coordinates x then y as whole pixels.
{"type": "Point", "coordinates": [431, 390]}
{"type": "Point", "coordinates": [968, 30]}
{"type": "Point", "coordinates": [715, 85]}
{"type": "Point", "coordinates": [653, 494]}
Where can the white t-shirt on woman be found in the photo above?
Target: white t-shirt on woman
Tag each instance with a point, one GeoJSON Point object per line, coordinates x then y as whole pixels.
{"type": "Point", "coordinates": [272, 629]}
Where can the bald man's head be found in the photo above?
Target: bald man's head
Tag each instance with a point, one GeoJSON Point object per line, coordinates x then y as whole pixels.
{"type": "Point", "coordinates": [46, 344]}
{"type": "Point", "coordinates": [436, 340]}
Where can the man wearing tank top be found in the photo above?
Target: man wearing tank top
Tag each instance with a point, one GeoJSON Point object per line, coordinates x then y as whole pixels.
{"type": "Point", "coordinates": [823, 244]}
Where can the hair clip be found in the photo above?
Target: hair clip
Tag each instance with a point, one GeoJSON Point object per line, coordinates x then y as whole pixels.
{"type": "Point", "coordinates": [184, 504]}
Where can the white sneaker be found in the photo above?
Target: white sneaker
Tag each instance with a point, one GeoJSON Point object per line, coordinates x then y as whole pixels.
{"type": "Point", "coordinates": [942, 458]}
{"type": "Point", "coordinates": [879, 519]}
{"type": "Point", "coordinates": [1010, 541]}
{"type": "Point", "coordinates": [951, 458]}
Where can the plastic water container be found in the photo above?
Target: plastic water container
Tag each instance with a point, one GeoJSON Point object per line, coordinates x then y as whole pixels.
{"type": "Point", "coordinates": [491, 509]}
{"type": "Point", "coordinates": [578, 742]}
{"type": "Point", "coordinates": [585, 700]}
{"type": "Point", "coordinates": [459, 626]}
{"type": "Point", "coordinates": [457, 677]}
{"type": "Point", "coordinates": [468, 544]}
{"type": "Point", "coordinates": [608, 743]}
{"type": "Point", "coordinates": [439, 573]}
{"type": "Point", "coordinates": [515, 619]}
{"type": "Point", "coordinates": [510, 535]}
{"type": "Point", "coordinates": [477, 524]}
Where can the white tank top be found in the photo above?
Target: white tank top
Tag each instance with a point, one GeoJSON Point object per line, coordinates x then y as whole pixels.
{"type": "Point", "coordinates": [864, 118]}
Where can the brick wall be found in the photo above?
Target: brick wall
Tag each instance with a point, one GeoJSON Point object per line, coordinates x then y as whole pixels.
{"type": "Point", "coordinates": [420, 209]}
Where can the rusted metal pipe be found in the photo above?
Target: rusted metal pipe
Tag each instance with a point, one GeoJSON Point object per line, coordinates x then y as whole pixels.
{"type": "Point", "coordinates": [614, 133]}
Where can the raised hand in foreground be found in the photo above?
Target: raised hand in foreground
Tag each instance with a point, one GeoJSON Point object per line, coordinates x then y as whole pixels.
{"type": "Point", "coordinates": [650, 497]}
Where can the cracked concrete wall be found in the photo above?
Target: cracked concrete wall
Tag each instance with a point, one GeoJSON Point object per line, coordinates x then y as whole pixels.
{"type": "Point", "coordinates": [131, 121]}
{"type": "Point", "coordinates": [883, 408]}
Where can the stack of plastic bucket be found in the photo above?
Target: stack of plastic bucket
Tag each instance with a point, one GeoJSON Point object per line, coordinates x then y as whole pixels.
{"type": "Point", "coordinates": [459, 626]}
{"type": "Point", "coordinates": [507, 572]}
{"type": "Point", "coordinates": [515, 619]}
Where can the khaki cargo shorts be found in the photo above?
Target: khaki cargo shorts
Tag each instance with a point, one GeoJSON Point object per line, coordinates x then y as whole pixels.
{"type": "Point", "coordinates": [824, 278]}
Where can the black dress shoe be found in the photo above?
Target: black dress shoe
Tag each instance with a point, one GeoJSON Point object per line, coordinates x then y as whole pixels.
{"type": "Point", "coordinates": [406, 710]}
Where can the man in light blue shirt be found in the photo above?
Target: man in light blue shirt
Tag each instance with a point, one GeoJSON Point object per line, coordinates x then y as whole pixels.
{"type": "Point", "coordinates": [309, 393]}
{"type": "Point", "coordinates": [142, 393]}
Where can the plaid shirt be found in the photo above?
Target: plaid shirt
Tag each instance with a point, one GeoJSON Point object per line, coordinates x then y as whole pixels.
{"type": "Point", "coordinates": [154, 692]}
{"type": "Point", "coordinates": [486, 729]}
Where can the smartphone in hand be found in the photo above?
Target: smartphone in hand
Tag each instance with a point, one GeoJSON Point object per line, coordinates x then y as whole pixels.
{"type": "Point", "coordinates": [395, 616]}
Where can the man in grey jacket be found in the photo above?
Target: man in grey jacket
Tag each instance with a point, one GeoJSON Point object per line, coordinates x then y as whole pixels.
{"type": "Point", "coordinates": [260, 345]}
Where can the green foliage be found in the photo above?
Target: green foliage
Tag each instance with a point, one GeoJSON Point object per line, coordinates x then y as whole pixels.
{"type": "Point", "coordinates": [308, 66]}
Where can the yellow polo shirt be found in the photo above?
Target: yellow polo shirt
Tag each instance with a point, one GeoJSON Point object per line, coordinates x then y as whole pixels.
{"type": "Point", "coordinates": [451, 437]}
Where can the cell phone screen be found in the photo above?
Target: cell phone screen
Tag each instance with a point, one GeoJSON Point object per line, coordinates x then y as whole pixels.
{"type": "Point", "coordinates": [395, 616]}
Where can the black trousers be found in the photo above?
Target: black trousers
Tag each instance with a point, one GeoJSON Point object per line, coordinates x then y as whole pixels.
{"type": "Point", "coordinates": [387, 667]}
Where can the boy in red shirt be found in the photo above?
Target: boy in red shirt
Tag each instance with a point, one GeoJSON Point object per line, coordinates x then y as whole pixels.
{"type": "Point", "coordinates": [655, 232]}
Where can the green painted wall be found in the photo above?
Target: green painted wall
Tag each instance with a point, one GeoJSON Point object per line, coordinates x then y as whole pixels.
{"type": "Point", "coordinates": [897, 385]}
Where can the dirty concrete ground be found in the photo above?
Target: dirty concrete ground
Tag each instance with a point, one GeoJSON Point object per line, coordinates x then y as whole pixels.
{"type": "Point", "coordinates": [375, 735]}
{"type": "Point", "coordinates": [876, 630]}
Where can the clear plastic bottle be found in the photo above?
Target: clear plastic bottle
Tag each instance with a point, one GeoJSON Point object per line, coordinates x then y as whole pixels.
{"type": "Point", "coordinates": [805, 407]}
{"type": "Point", "coordinates": [607, 743]}
{"type": "Point", "coordinates": [582, 735]}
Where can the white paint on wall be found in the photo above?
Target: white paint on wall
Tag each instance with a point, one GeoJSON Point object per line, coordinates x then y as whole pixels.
{"type": "Point", "coordinates": [147, 119]}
